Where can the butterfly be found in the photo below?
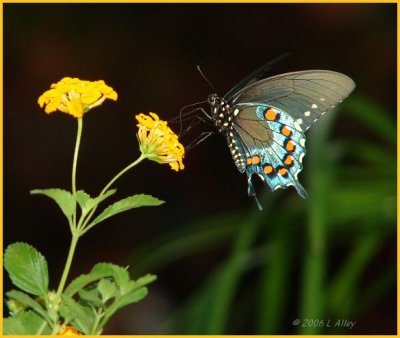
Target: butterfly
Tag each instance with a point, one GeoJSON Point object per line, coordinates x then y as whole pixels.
{"type": "Point", "coordinates": [264, 121]}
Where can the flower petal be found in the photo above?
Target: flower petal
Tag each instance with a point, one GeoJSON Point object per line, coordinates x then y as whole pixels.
{"type": "Point", "coordinates": [75, 97]}
{"type": "Point", "coordinates": [158, 142]}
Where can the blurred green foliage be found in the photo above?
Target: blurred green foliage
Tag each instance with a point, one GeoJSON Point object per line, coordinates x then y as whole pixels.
{"type": "Point", "coordinates": [306, 258]}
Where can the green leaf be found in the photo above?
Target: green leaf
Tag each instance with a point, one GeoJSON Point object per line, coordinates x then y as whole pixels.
{"type": "Point", "coordinates": [27, 268]}
{"type": "Point", "coordinates": [90, 297]}
{"type": "Point", "coordinates": [107, 289]}
{"type": "Point", "coordinates": [28, 301]}
{"type": "Point", "coordinates": [145, 280]}
{"type": "Point", "coordinates": [13, 326]}
{"type": "Point", "coordinates": [82, 198]}
{"type": "Point", "coordinates": [121, 301]}
{"type": "Point", "coordinates": [104, 268]}
{"type": "Point", "coordinates": [15, 307]}
{"type": "Point", "coordinates": [98, 272]}
{"type": "Point", "coordinates": [82, 317]}
{"type": "Point", "coordinates": [93, 202]}
{"type": "Point", "coordinates": [125, 204]}
{"type": "Point", "coordinates": [131, 297]}
{"type": "Point", "coordinates": [122, 279]}
{"type": "Point", "coordinates": [26, 323]}
{"type": "Point", "coordinates": [63, 198]}
{"type": "Point", "coordinates": [87, 203]}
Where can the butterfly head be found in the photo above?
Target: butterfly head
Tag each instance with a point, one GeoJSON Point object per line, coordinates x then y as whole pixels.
{"type": "Point", "coordinates": [213, 99]}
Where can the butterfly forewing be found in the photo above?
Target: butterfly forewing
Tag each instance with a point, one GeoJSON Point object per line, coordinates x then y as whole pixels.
{"type": "Point", "coordinates": [255, 76]}
{"type": "Point", "coordinates": [305, 95]}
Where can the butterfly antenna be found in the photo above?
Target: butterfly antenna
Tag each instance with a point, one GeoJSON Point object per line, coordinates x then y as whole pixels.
{"type": "Point", "coordinates": [205, 78]}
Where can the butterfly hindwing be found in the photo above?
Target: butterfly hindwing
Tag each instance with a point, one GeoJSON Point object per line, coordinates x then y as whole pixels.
{"type": "Point", "coordinates": [272, 144]}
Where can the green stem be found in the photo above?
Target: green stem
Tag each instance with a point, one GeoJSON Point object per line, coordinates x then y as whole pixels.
{"type": "Point", "coordinates": [74, 241]}
{"type": "Point", "coordinates": [41, 328]}
{"type": "Point", "coordinates": [84, 221]}
{"type": "Point", "coordinates": [74, 163]}
{"type": "Point", "coordinates": [123, 171]}
{"type": "Point", "coordinates": [96, 330]}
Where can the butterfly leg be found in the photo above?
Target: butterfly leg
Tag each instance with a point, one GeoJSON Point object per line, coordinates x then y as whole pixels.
{"type": "Point", "coordinates": [194, 121]}
{"type": "Point", "coordinates": [206, 114]}
{"type": "Point", "coordinates": [252, 192]}
{"type": "Point", "coordinates": [203, 136]}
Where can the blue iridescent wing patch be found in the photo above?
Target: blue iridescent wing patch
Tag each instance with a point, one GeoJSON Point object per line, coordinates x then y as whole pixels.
{"type": "Point", "coordinates": [273, 146]}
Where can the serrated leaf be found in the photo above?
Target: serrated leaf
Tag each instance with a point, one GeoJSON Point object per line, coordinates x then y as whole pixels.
{"type": "Point", "coordinates": [122, 280]}
{"type": "Point", "coordinates": [15, 307]}
{"type": "Point", "coordinates": [90, 297]}
{"type": "Point", "coordinates": [104, 268]}
{"type": "Point", "coordinates": [132, 297]}
{"type": "Point", "coordinates": [13, 326]}
{"type": "Point", "coordinates": [63, 198]}
{"type": "Point", "coordinates": [125, 204]}
{"type": "Point", "coordinates": [82, 317]}
{"type": "Point", "coordinates": [27, 268]}
{"type": "Point", "coordinates": [126, 285]}
{"type": "Point", "coordinates": [98, 272]}
{"type": "Point", "coordinates": [145, 280]}
{"type": "Point", "coordinates": [87, 203]}
{"type": "Point", "coordinates": [23, 298]}
{"type": "Point", "coordinates": [82, 198]}
{"type": "Point", "coordinates": [26, 323]}
{"type": "Point", "coordinates": [101, 198]}
{"type": "Point", "coordinates": [123, 300]}
{"type": "Point", "coordinates": [107, 289]}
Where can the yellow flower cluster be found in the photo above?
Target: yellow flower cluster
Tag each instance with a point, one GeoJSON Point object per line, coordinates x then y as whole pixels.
{"type": "Point", "coordinates": [158, 142]}
{"type": "Point", "coordinates": [69, 331]}
{"type": "Point", "coordinates": [75, 97]}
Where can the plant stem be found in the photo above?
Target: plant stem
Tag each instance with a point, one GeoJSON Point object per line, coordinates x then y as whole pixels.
{"type": "Point", "coordinates": [41, 328]}
{"type": "Point", "coordinates": [74, 163]}
{"type": "Point", "coordinates": [83, 222]}
{"type": "Point", "coordinates": [74, 241]}
{"type": "Point", "coordinates": [123, 171]}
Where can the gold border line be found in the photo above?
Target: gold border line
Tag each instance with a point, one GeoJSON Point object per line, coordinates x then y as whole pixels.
{"type": "Point", "coordinates": [204, 2]}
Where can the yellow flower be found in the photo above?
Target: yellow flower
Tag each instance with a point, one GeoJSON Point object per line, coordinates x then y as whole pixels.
{"type": "Point", "coordinates": [75, 97]}
{"type": "Point", "coordinates": [69, 331]}
{"type": "Point", "coordinates": [158, 142]}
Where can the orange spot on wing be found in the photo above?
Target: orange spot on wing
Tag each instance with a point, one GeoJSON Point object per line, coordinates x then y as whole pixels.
{"type": "Point", "coordinates": [286, 131]}
{"type": "Point", "coordinates": [290, 146]}
{"type": "Point", "coordinates": [282, 171]}
{"type": "Point", "coordinates": [253, 160]}
{"type": "Point", "coordinates": [271, 114]}
{"type": "Point", "coordinates": [288, 160]}
{"type": "Point", "coordinates": [256, 159]}
{"type": "Point", "coordinates": [268, 169]}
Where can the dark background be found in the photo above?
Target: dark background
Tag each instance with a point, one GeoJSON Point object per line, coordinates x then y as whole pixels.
{"type": "Point", "coordinates": [148, 54]}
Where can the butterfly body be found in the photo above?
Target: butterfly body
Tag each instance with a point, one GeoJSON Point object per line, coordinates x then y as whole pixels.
{"type": "Point", "coordinates": [264, 122]}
